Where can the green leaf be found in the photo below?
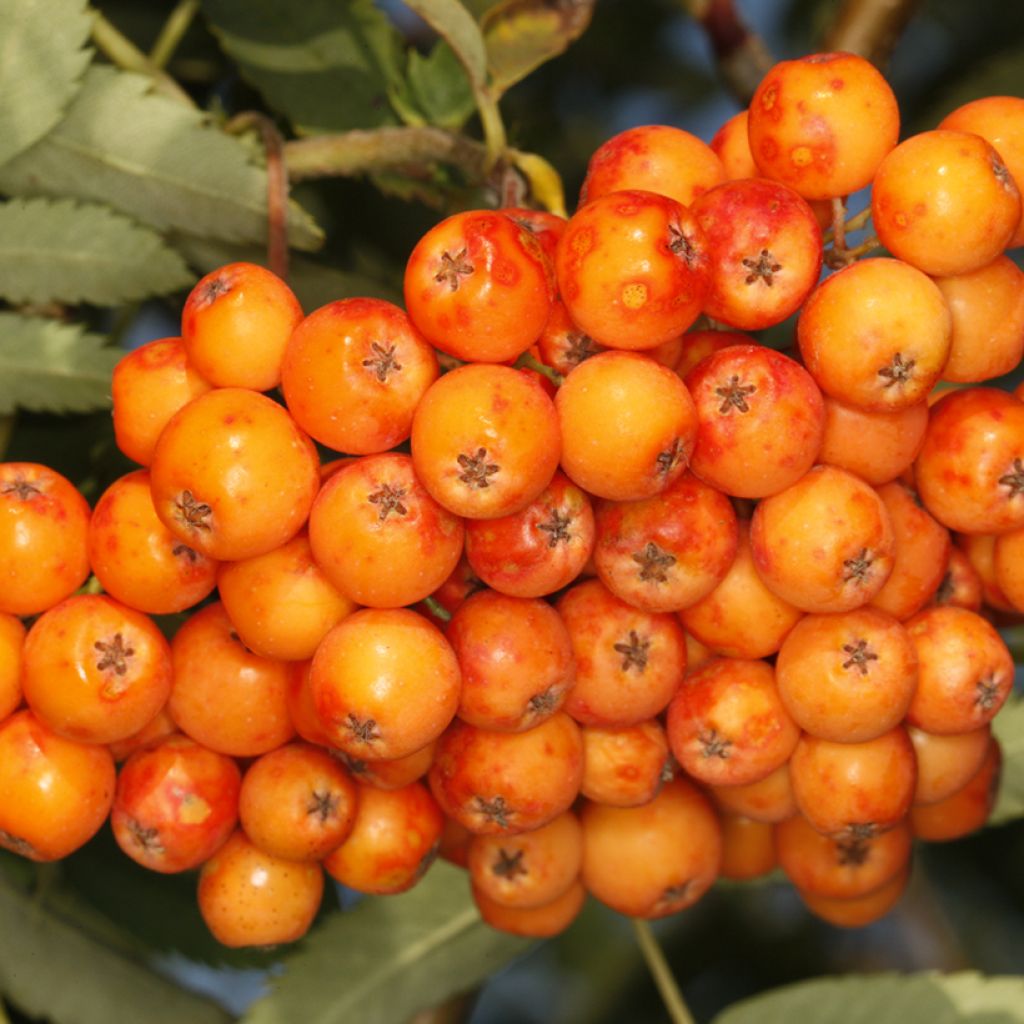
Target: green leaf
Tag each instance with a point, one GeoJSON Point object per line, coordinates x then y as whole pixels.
{"type": "Point", "coordinates": [159, 161]}
{"type": "Point", "coordinates": [389, 957]}
{"type": "Point", "coordinates": [452, 22]}
{"type": "Point", "coordinates": [522, 34]}
{"type": "Point", "coordinates": [314, 284]}
{"type": "Point", "coordinates": [63, 251]}
{"type": "Point", "coordinates": [326, 66]}
{"type": "Point", "coordinates": [42, 57]}
{"type": "Point", "coordinates": [439, 86]}
{"type": "Point", "coordinates": [887, 999]}
{"type": "Point", "coordinates": [1008, 728]}
{"type": "Point", "coordinates": [48, 366]}
{"type": "Point", "coordinates": [52, 967]}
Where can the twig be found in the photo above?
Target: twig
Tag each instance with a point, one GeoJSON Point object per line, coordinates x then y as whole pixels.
{"type": "Point", "coordinates": [678, 1011]}
{"type": "Point", "coordinates": [743, 56]}
{"type": "Point", "coordinates": [122, 52]}
{"type": "Point", "coordinates": [869, 28]}
{"type": "Point", "coordinates": [177, 24]}
{"type": "Point", "coordinates": [839, 224]}
{"type": "Point", "coordinates": [277, 187]}
{"type": "Point", "coordinates": [348, 154]}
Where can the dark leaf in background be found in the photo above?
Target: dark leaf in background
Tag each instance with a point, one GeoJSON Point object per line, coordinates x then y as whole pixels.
{"type": "Point", "coordinates": [326, 66]}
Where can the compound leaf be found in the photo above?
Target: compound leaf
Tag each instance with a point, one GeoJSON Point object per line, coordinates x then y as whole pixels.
{"type": "Point", "coordinates": [63, 251]}
{"type": "Point", "coordinates": [887, 999]}
{"type": "Point", "coordinates": [326, 66]}
{"type": "Point", "coordinates": [42, 57]}
{"type": "Point", "coordinates": [520, 35]}
{"type": "Point", "coordinates": [389, 957]}
{"type": "Point", "coordinates": [48, 366]}
{"type": "Point", "coordinates": [53, 966]}
{"type": "Point", "coordinates": [1008, 728]}
{"type": "Point", "coordinates": [159, 161]}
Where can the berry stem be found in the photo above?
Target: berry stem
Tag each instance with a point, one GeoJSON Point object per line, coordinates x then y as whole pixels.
{"type": "Point", "coordinates": [678, 1011]}
{"type": "Point", "coordinates": [277, 187]}
{"type": "Point", "coordinates": [173, 31]}
{"type": "Point", "coordinates": [530, 362]}
{"type": "Point", "coordinates": [437, 608]}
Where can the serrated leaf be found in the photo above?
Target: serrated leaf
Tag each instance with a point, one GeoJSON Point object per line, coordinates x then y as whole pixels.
{"type": "Point", "coordinates": [520, 35]}
{"type": "Point", "coordinates": [51, 968]}
{"type": "Point", "coordinates": [161, 162]}
{"type": "Point", "coordinates": [48, 366]}
{"type": "Point", "coordinates": [439, 86]}
{"type": "Point", "coordinates": [389, 957]}
{"type": "Point", "coordinates": [63, 251]}
{"type": "Point", "coordinates": [887, 999]}
{"type": "Point", "coordinates": [42, 57]}
{"type": "Point", "coordinates": [314, 284]}
{"type": "Point", "coordinates": [1008, 728]}
{"type": "Point", "coordinates": [453, 23]}
{"type": "Point", "coordinates": [326, 66]}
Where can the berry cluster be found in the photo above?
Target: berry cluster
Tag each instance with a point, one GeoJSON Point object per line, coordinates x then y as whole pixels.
{"type": "Point", "coordinates": [620, 601]}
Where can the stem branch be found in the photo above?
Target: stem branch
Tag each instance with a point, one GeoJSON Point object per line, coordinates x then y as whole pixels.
{"type": "Point", "coordinates": [277, 187]}
{"type": "Point", "coordinates": [678, 1011]}
{"type": "Point", "coordinates": [869, 28]}
{"type": "Point", "coordinates": [122, 52]}
{"type": "Point", "coordinates": [173, 31]}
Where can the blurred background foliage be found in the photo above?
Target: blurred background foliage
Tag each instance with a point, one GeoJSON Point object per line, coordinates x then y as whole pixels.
{"type": "Point", "coordinates": [95, 938]}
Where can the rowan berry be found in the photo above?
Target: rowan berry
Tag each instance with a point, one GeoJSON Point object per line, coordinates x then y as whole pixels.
{"type": "Point", "coordinates": [502, 782]}
{"type": "Point", "coordinates": [148, 386]}
{"type": "Point", "coordinates": [353, 373]}
{"type": "Point", "coordinates": [825, 543]}
{"type": "Point", "coordinates": [633, 269]}
{"type": "Point", "coordinates": [655, 859]}
{"type": "Point", "coordinates": [94, 669]}
{"type": "Point", "coordinates": [44, 524]}
{"type": "Point", "coordinates": [281, 603]}
{"type": "Point", "coordinates": [479, 287]}
{"type": "Point", "coordinates": [223, 695]}
{"type": "Point", "coordinates": [727, 724]}
{"type": "Point", "coordinates": [384, 682]}
{"type": "Point", "coordinates": [654, 158]}
{"type": "Point", "coordinates": [57, 791]}
{"type": "Point", "coordinates": [235, 325]}
{"type": "Point", "coordinates": [485, 441]}
{"type": "Point", "coordinates": [393, 841]}
{"type": "Point", "coordinates": [753, 399]}
{"type": "Point", "coordinates": [628, 426]}
{"type": "Point", "coordinates": [250, 898]}
{"type": "Point", "coordinates": [176, 804]}
{"type": "Point", "coordinates": [822, 124]}
{"type": "Point", "coordinates": [529, 869]}
{"type": "Point", "coordinates": [137, 560]}
{"type": "Point", "coordinates": [629, 663]}
{"type": "Point", "coordinates": [297, 802]}
{"type": "Point", "coordinates": [515, 657]}
{"type": "Point", "coordinates": [538, 550]}
{"type": "Point", "coordinates": [944, 202]}
{"type": "Point", "coordinates": [664, 553]}
{"type": "Point", "coordinates": [232, 474]}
